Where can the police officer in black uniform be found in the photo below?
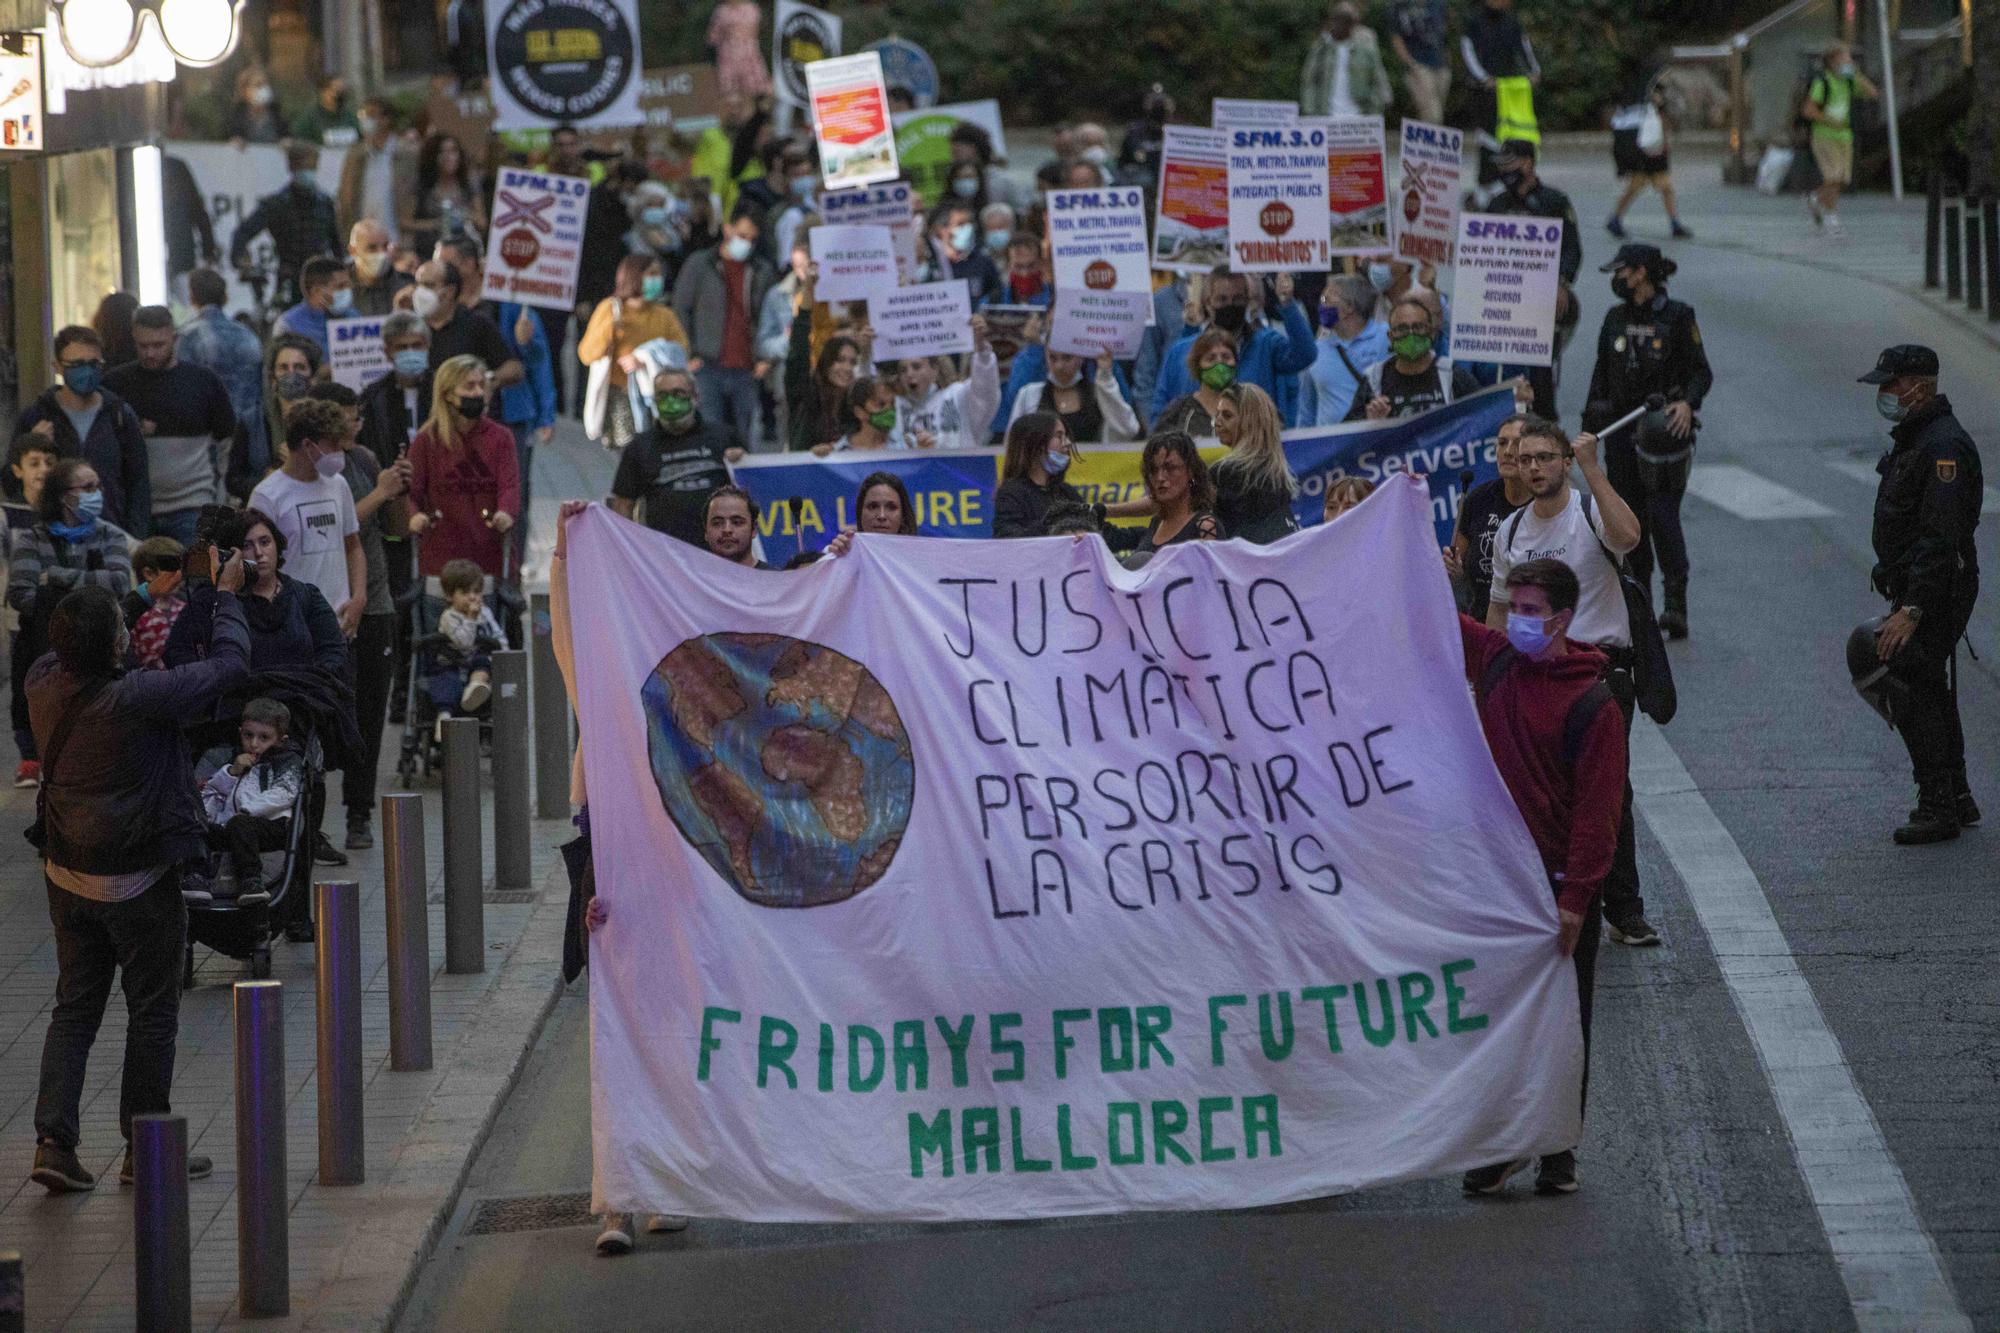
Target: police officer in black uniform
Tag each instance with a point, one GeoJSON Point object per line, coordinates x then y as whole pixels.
{"type": "Point", "coordinates": [1524, 194]}
{"type": "Point", "coordinates": [1925, 510]}
{"type": "Point", "coordinates": [1650, 349]}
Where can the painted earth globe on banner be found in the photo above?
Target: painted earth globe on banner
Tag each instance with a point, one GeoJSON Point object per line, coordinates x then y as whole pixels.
{"type": "Point", "coordinates": [784, 763]}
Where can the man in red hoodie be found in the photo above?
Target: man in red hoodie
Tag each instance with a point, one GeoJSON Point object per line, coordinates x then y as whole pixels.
{"type": "Point", "coordinates": [1558, 739]}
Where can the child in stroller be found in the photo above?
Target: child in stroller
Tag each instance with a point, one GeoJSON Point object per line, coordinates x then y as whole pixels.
{"type": "Point", "coordinates": [463, 664]}
{"type": "Point", "coordinates": [249, 799]}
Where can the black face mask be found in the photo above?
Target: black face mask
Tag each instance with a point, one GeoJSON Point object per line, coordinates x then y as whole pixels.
{"type": "Point", "coordinates": [471, 408]}
{"type": "Point", "coordinates": [1229, 318]}
{"type": "Point", "coordinates": [1513, 180]}
{"type": "Point", "coordinates": [1620, 288]}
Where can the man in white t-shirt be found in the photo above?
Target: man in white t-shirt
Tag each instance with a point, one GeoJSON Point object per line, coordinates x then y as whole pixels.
{"type": "Point", "coordinates": [1557, 525]}
{"type": "Point", "coordinates": [314, 509]}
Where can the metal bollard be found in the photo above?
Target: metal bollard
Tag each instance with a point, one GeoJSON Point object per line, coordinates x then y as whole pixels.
{"type": "Point", "coordinates": [1975, 283]}
{"type": "Point", "coordinates": [160, 1224]}
{"type": "Point", "coordinates": [1989, 212]}
{"type": "Point", "coordinates": [464, 905]}
{"type": "Point", "coordinates": [337, 910]}
{"type": "Point", "coordinates": [1933, 220]}
{"type": "Point", "coordinates": [406, 898]}
{"type": "Point", "coordinates": [263, 1246]}
{"type": "Point", "coordinates": [513, 837]}
{"type": "Point", "coordinates": [551, 703]}
{"type": "Point", "coordinates": [13, 1293]}
{"type": "Point", "coordinates": [1953, 283]}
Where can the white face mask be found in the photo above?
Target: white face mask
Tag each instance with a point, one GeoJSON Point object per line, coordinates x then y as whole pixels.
{"type": "Point", "coordinates": [736, 249]}
{"type": "Point", "coordinates": [424, 301]}
{"type": "Point", "coordinates": [371, 263]}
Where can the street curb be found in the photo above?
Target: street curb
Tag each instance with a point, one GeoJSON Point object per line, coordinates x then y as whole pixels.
{"type": "Point", "coordinates": [522, 958]}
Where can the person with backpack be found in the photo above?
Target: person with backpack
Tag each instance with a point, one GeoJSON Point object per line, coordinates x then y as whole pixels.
{"type": "Point", "coordinates": [1829, 105]}
{"type": "Point", "coordinates": [1559, 742]}
{"type": "Point", "coordinates": [1414, 378]}
{"type": "Point", "coordinates": [1590, 531]}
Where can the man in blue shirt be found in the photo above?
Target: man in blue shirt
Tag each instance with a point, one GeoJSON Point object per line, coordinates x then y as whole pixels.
{"type": "Point", "coordinates": [232, 351]}
{"type": "Point", "coordinates": [1417, 32]}
{"type": "Point", "coordinates": [1264, 355]}
{"type": "Point", "coordinates": [1351, 340]}
{"type": "Point", "coordinates": [328, 295]}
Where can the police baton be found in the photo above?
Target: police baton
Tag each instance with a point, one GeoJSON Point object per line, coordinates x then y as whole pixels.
{"type": "Point", "coordinates": [1622, 422]}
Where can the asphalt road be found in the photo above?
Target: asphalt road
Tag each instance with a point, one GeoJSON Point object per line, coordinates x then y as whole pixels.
{"type": "Point", "coordinates": [1695, 1210]}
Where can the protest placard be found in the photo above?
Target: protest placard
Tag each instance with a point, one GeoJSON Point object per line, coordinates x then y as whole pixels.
{"type": "Point", "coordinates": [925, 319]}
{"type": "Point", "coordinates": [1426, 218]}
{"type": "Point", "coordinates": [558, 62]}
{"type": "Point", "coordinates": [1503, 298]}
{"type": "Point", "coordinates": [354, 351]}
{"type": "Point", "coordinates": [886, 204]}
{"type": "Point", "coordinates": [537, 238]}
{"type": "Point", "coordinates": [1191, 225]}
{"type": "Point", "coordinates": [1230, 112]}
{"type": "Point", "coordinates": [923, 141]}
{"type": "Point", "coordinates": [850, 116]}
{"type": "Point", "coordinates": [1084, 323]}
{"type": "Point", "coordinates": [1356, 202]}
{"type": "Point", "coordinates": [800, 35]}
{"type": "Point", "coordinates": [854, 262]}
{"type": "Point", "coordinates": [681, 98]}
{"type": "Point", "coordinates": [1277, 200]}
{"type": "Point", "coordinates": [1097, 238]}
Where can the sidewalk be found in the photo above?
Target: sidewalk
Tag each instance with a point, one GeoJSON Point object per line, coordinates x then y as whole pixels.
{"type": "Point", "coordinates": [354, 1250]}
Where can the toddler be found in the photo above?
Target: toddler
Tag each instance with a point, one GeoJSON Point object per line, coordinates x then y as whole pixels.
{"type": "Point", "coordinates": [468, 625]}
{"type": "Point", "coordinates": [249, 800]}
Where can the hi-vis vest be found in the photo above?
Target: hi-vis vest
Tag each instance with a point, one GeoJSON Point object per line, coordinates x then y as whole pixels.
{"type": "Point", "coordinates": [1514, 103]}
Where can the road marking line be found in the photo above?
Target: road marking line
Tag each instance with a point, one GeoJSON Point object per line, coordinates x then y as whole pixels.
{"type": "Point", "coordinates": [1888, 1262]}
{"type": "Point", "coordinates": [1863, 471]}
{"type": "Point", "coordinates": [1747, 495]}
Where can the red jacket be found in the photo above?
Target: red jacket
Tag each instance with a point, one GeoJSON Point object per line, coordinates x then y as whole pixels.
{"type": "Point", "coordinates": [1573, 815]}
{"type": "Point", "coordinates": [480, 476]}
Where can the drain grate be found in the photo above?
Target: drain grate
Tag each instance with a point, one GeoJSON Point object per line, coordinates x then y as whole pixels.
{"type": "Point", "coordinates": [534, 1212]}
{"type": "Point", "coordinates": [503, 896]}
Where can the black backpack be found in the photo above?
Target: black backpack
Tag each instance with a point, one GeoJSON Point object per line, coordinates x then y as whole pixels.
{"type": "Point", "coordinates": [1583, 710]}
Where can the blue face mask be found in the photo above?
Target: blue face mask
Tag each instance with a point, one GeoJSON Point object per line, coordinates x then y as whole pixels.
{"type": "Point", "coordinates": [83, 381]}
{"type": "Point", "coordinates": [305, 180]}
{"type": "Point", "coordinates": [803, 186]}
{"type": "Point", "coordinates": [1379, 277]}
{"type": "Point", "coordinates": [652, 286]}
{"type": "Point", "coordinates": [412, 362]}
{"type": "Point", "coordinates": [654, 216]}
{"type": "Point", "coordinates": [90, 506]}
{"type": "Point", "coordinates": [965, 187]}
{"type": "Point", "coordinates": [1527, 634]}
{"type": "Point", "coordinates": [997, 238]}
{"type": "Point", "coordinates": [962, 237]}
{"type": "Point", "coordinates": [1055, 464]}
{"type": "Point", "coordinates": [343, 303]}
{"type": "Point", "coordinates": [1891, 406]}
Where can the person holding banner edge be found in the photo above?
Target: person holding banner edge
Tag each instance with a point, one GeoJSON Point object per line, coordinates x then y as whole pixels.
{"type": "Point", "coordinates": [1038, 453]}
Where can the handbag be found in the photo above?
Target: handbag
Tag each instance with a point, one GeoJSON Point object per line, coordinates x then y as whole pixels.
{"type": "Point", "coordinates": [1652, 672]}
{"type": "Point", "coordinates": [597, 383]}
{"type": "Point", "coordinates": [37, 833]}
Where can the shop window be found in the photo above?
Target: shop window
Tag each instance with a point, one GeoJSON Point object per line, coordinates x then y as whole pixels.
{"type": "Point", "coordinates": [85, 262]}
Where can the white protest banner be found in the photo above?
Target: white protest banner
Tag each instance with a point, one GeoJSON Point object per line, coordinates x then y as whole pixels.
{"type": "Point", "coordinates": [1098, 239]}
{"type": "Point", "coordinates": [800, 35]}
{"type": "Point", "coordinates": [1191, 224]}
{"type": "Point", "coordinates": [1277, 200]}
{"type": "Point", "coordinates": [850, 116]}
{"type": "Point", "coordinates": [1084, 323]}
{"type": "Point", "coordinates": [355, 354]}
{"type": "Point", "coordinates": [1503, 296]}
{"type": "Point", "coordinates": [1229, 112]}
{"type": "Point", "coordinates": [231, 182]}
{"type": "Point", "coordinates": [930, 900]}
{"type": "Point", "coordinates": [924, 319]}
{"type": "Point", "coordinates": [537, 238]}
{"type": "Point", "coordinates": [854, 262]}
{"type": "Point", "coordinates": [1356, 203]}
{"type": "Point", "coordinates": [564, 61]}
{"type": "Point", "coordinates": [1426, 221]}
{"type": "Point", "coordinates": [888, 204]}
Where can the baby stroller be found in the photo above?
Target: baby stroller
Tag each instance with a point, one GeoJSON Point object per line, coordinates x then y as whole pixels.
{"type": "Point", "coordinates": [241, 927]}
{"type": "Point", "coordinates": [434, 663]}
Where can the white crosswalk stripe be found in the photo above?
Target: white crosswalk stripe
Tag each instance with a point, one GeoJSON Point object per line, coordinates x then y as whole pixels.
{"type": "Point", "coordinates": [1747, 494]}
{"type": "Point", "coordinates": [1864, 471]}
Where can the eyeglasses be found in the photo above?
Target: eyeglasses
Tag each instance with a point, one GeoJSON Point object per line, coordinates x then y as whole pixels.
{"type": "Point", "coordinates": [97, 361]}
{"type": "Point", "coordinates": [1537, 460]}
{"type": "Point", "coordinates": [1399, 330]}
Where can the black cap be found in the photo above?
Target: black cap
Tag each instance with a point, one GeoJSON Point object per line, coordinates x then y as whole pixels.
{"type": "Point", "coordinates": [1902, 359]}
{"type": "Point", "coordinates": [1518, 148]}
{"type": "Point", "coordinates": [1635, 254]}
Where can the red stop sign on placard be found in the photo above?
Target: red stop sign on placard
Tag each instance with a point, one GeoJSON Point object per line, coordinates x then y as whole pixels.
{"type": "Point", "coordinates": [1413, 204]}
{"type": "Point", "coordinates": [1276, 218]}
{"type": "Point", "coordinates": [1100, 276]}
{"type": "Point", "coordinates": [518, 248]}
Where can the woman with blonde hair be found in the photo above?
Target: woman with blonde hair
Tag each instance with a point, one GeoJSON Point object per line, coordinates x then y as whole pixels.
{"type": "Point", "coordinates": [465, 484]}
{"type": "Point", "coordinates": [1254, 485]}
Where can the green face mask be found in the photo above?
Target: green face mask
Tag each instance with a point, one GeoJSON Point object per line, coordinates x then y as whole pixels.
{"type": "Point", "coordinates": [1219, 376]}
{"type": "Point", "coordinates": [674, 406]}
{"type": "Point", "coordinates": [1411, 346]}
{"type": "Point", "coordinates": [884, 421]}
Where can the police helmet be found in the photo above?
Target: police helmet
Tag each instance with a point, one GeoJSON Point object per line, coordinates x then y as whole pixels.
{"type": "Point", "coordinates": [1873, 681]}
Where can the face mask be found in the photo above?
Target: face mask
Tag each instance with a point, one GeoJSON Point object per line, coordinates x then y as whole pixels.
{"type": "Point", "coordinates": [736, 249]}
{"type": "Point", "coordinates": [293, 386]}
{"type": "Point", "coordinates": [1219, 376]}
{"type": "Point", "coordinates": [305, 180]}
{"type": "Point", "coordinates": [1055, 464]}
{"type": "Point", "coordinates": [1229, 318]}
{"type": "Point", "coordinates": [331, 465]}
{"type": "Point", "coordinates": [652, 286]}
{"type": "Point", "coordinates": [424, 302]}
{"type": "Point", "coordinates": [472, 408]}
{"type": "Point", "coordinates": [372, 264]}
{"type": "Point", "coordinates": [1329, 315]}
{"type": "Point", "coordinates": [369, 125]}
{"type": "Point", "coordinates": [803, 186]}
{"type": "Point", "coordinates": [1096, 155]}
{"type": "Point", "coordinates": [412, 362]}
{"type": "Point", "coordinates": [1411, 346]}
{"type": "Point", "coordinates": [1379, 277]}
{"type": "Point", "coordinates": [1891, 406]}
{"type": "Point", "coordinates": [342, 304]}
{"type": "Point", "coordinates": [965, 187]}
{"type": "Point", "coordinates": [654, 215]}
{"type": "Point", "coordinates": [997, 238]}
{"type": "Point", "coordinates": [884, 421]}
{"type": "Point", "coordinates": [90, 506]}
{"type": "Point", "coordinates": [83, 380]}
{"type": "Point", "coordinates": [1620, 288]}
{"type": "Point", "coordinates": [1846, 71]}
{"type": "Point", "coordinates": [1527, 635]}
{"type": "Point", "coordinates": [674, 406]}
{"type": "Point", "coordinates": [962, 237]}
{"type": "Point", "coordinates": [261, 96]}
{"type": "Point", "coordinates": [1024, 285]}
{"type": "Point", "coordinates": [1513, 180]}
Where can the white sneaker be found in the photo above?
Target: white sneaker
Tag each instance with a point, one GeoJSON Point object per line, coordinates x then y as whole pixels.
{"type": "Point", "coordinates": [616, 1238]}
{"type": "Point", "coordinates": [660, 1224]}
{"type": "Point", "coordinates": [1812, 207]}
{"type": "Point", "coordinates": [475, 696]}
{"type": "Point", "coordinates": [1833, 224]}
